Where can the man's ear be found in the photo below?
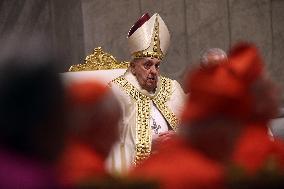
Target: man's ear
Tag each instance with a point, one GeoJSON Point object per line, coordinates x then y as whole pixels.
{"type": "Point", "coordinates": [132, 68]}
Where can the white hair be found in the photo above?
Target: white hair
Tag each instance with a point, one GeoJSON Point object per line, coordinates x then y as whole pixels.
{"type": "Point", "coordinates": [213, 51]}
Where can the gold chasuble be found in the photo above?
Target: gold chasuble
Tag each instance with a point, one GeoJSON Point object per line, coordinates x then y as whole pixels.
{"type": "Point", "coordinates": [136, 138]}
{"type": "Point", "coordinates": [143, 132]}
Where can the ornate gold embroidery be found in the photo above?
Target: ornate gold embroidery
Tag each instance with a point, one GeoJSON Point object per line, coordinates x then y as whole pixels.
{"type": "Point", "coordinates": [161, 99]}
{"type": "Point", "coordinates": [143, 131]}
{"type": "Point", "coordinates": [99, 60]}
{"type": "Point", "coordinates": [143, 136]}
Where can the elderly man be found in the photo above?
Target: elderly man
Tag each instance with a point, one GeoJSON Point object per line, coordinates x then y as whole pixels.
{"type": "Point", "coordinates": [151, 103]}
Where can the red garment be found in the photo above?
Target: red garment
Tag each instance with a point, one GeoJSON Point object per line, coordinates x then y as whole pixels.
{"type": "Point", "coordinates": [254, 149]}
{"type": "Point", "coordinates": [178, 166]}
{"type": "Point", "coordinates": [225, 88]}
{"type": "Point", "coordinates": [213, 92]}
{"type": "Point", "coordinates": [245, 62]}
{"type": "Point", "coordinates": [79, 163]}
{"type": "Point", "coordinates": [85, 93]}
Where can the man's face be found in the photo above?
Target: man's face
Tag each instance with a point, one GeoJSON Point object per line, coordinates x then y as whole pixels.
{"type": "Point", "coordinates": [146, 71]}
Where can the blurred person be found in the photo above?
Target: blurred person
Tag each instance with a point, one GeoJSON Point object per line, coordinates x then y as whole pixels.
{"type": "Point", "coordinates": [151, 103]}
{"type": "Point", "coordinates": [255, 158]}
{"type": "Point", "coordinates": [216, 127]}
{"type": "Point", "coordinates": [94, 117]}
{"type": "Point", "coordinates": [31, 114]}
{"type": "Point", "coordinates": [258, 159]}
{"type": "Point", "coordinates": [212, 56]}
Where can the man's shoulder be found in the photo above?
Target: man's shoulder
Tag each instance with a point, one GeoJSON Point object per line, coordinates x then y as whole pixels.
{"type": "Point", "coordinates": [114, 84]}
{"type": "Point", "coordinates": [116, 81]}
{"type": "Point", "coordinates": [168, 81]}
{"type": "Point", "coordinates": [117, 87]}
{"type": "Point", "coordinates": [166, 78]}
{"type": "Point", "coordinates": [118, 84]}
{"type": "Point", "coordinates": [164, 81]}
{"type": "Point", "coordinates": [173, 81]}
{"type": "Point", "coordinates": [176, 89]}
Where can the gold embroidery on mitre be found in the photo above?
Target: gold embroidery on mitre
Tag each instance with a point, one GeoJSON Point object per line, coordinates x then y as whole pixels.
{"type": "Point", "coordinates": [143, 104]}
{"type": "Point", "coordinates": [154, 50]}
{"type": "Point", "coordinates": [99, 60]}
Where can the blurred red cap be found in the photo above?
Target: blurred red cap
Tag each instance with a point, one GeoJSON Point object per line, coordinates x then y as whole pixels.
{"type": "Point", "coordinates": [87, 92]}
{"type": "Point", "coordinates": [224, 89]}
{"type": "Point", "coordinates": [246, 62]}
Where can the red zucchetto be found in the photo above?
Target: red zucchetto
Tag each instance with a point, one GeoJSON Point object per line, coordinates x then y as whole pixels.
{"type": "Point", "coordinates": [246, 62]}
{"type": "Point", "coordinates": [225, 89]}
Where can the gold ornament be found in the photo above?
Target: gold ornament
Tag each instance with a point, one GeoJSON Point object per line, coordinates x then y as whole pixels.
{"type": "Point", "coordinates": [99, 60]}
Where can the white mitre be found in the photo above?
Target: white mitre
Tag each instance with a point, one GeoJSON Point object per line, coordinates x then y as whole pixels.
{"type": "Point", "coordinates": [149, 37]}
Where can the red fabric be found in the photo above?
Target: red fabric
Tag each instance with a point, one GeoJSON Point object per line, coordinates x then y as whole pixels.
{"type": "Point", "coordinates": [86, 92]}
{"type": "Point", "coordinates": [254, 148]}
{"type": "Point", "coordinates": [212, 91]}
{"type": "Point", "coordinates": [144, 18]}
{"type": "Point", "coordinates": [224, 89]}
{"type": "Point", "coordinates": [178, 166]}
{"type": "Point", "coordinates": [246, 62]}
{"type": "Point", "coordinates": [80, 162]}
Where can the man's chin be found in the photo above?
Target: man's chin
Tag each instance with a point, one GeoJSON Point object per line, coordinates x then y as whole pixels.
{"type": "Point", "coordinates": [151, 88]}
{"type": "Point", "coordinates": [152, 82]}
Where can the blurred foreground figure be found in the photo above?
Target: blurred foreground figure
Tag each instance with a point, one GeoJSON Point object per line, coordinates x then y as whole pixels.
{"type": "Point", "coordinates": [94, 117]}
{"type": "Point", "coordinates": [31, 115]}
{"type": "Point", "coordinates": [223, 139]}
{"type": "Point", "coordinates": [257, 161]}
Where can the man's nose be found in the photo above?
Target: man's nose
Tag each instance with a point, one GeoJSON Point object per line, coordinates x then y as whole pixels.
{"type": "Point", "coordinates": [154, 70]}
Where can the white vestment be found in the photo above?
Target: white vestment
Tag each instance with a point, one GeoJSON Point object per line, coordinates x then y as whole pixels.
{"type": "Point", "coordinates": [140, 110]}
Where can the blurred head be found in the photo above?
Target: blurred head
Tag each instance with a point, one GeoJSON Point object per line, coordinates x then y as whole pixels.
{"type": "Point", "coordinates": [262, 94]}
{"type": "Point", "coordinates": [94, 115]}
{"type": "Point", "coordinates": [213, 56]}
{"type": "Point", "coordinates": [31, 99]}
{"type": "Point", "coordinates": [207, 127]}
{"type": "Point", "coordinates": [146, 71]}
{"type": "Point", "coordinates": [225, 97]}
{"type": "Point", "coordinates": [232, 90]}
